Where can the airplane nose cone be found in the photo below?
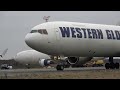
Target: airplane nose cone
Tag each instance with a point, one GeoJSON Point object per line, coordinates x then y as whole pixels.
{"type": "Point", "coordinates": [32, 40]}
{"type": "Point", "coordinates": [29, 40]}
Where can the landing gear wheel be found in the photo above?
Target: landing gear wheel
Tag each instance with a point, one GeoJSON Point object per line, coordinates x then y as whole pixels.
{"type": "Point", "coordinates": [28, 66]}
{"type": "Point", "coordinates": [112, 65]}
{"type": "Point", "coordinates": [107, 66]}
{"type": "Point", "coordinates": [117, 65]}
{"type": "Point", "coordinates": [60, 67]}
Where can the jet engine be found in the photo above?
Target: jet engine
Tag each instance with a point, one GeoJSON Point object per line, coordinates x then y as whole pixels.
{"type": "Point", "coordinates": [45, 62]}
{"type": "Point", "coordinates": [78, 61]}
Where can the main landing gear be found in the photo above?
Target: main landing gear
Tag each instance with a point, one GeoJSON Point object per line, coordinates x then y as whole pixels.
{"type": "Point", "coordinates": [111, 64]}
{"type": "Point", "coordinates": [60, 67]}
{"type": "Point", "coordinates": [61, 62]}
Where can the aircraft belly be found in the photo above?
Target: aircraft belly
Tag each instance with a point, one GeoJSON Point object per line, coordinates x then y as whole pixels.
{"type": "Point", "coordinates": [89, 48]}
{"type": "Point", "coordinates": [74, 48]}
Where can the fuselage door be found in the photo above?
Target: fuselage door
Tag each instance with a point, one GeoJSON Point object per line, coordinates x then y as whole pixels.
{"type": "Point", "coordinates": [57, 34]}
{"type": "Point", "coordinates": [53, 40]}
{"type": "Point", "coordinates": [58, 39]}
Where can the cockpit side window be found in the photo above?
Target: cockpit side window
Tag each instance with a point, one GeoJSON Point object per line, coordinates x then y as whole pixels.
{"type": "Point", "coordinates": [33, 31]}
{"type": "Point", "coordinates": [42, 31]}
{"type": "Point", "coordinates": [45, 31]}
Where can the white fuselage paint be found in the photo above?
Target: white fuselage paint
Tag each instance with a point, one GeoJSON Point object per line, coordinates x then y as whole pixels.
{"type": "Point", "coordinates": [55, 44]}
{"type": "Point", "coordinates": [31, 57]}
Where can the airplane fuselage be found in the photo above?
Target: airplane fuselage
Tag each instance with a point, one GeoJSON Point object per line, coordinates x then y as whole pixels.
{"type": "Point", "coordinates": [76, 39]}
{"type": "Point", "coordinates": [31, 58]}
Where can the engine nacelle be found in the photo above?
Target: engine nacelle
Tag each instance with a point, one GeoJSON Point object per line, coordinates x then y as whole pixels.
{"type": "Point", "coordinates": [45, 62]}
{"type": "Point", "coordinates": [72, 60]}
{"type": "Point", "coordinates": [78, 61]}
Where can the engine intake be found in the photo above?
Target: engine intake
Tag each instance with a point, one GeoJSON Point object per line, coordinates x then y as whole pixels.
{"type": "Point", "coordinates": [78, 61]}
{"type": "Point", "coordinates": [73, 60]}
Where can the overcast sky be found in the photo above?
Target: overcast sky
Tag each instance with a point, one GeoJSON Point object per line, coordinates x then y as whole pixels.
{"type": "Point", "coordinates": [14, 25]}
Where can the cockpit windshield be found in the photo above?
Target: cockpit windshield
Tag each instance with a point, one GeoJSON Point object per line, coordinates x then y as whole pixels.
{"type": "Point", "coordinates": [41, 31]}
{"type": "Point", "coordinates": [33, 31]}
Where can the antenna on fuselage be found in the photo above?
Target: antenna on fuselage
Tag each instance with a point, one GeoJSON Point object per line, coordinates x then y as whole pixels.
{"type": "Point", "coordinates": [46, 18]}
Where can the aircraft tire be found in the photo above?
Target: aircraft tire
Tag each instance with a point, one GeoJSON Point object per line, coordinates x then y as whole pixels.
{"type": "Point", "coordinates": [60, 67]}
{"type": "Point", "coordinates": [117, 65]}
{"type": "Point", "coordinates": [112, 65]}
{"type": "Point", "coordinates": [107, 65]}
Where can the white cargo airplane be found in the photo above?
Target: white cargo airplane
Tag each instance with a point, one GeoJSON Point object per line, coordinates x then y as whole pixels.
{"type": "Point", "coordinates": [74, 40]}
{"type": "Point", "coordinates": [32, 58]}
